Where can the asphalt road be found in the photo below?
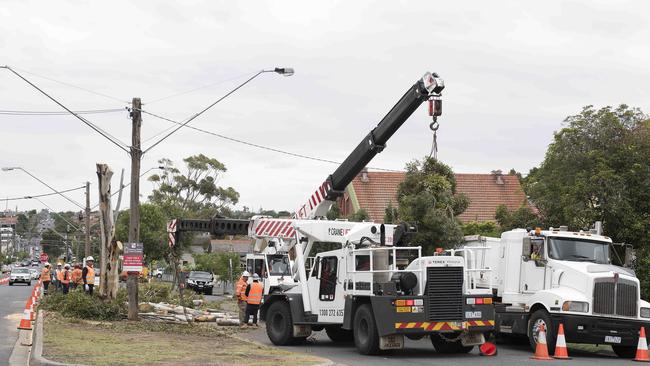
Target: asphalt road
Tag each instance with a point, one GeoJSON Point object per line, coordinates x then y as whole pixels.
{"type": "Point", "coordinates": [422, 353]}
{"type": "Point", "coordinates": [12, 304]}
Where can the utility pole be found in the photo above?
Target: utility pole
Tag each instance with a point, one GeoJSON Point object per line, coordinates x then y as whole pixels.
{"type": "Point", "coordinates": [87, 250]}
{"type": "Point", "coordinates": [134, 216]}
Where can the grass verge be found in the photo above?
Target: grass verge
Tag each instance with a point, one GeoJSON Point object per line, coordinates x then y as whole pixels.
{"type": "Point", "coordinates": [147, 343]}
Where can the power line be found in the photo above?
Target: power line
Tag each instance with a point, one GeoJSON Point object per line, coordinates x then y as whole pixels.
{"type": "Point", "coordinates": [297, 155]}
{"type": "Point", "coordinates": [198, 88]}
{"type": "Point", "coordinates": [41, 195]}
{"type": "Point", "coordinates": [107, 135]}
{"type": "Point", "coordinates": [72, 86]}
{"type": "Point", "coordinates": [57, 113]}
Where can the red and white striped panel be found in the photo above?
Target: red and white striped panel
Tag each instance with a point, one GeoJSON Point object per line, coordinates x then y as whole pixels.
{"type": "Point", "coordinates": [280, 228]}
{"type": "Point", "coordinates": [312, 204]}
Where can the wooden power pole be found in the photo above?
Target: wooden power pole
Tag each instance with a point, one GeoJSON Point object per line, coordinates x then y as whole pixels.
{"type": "Point", "coordinates": [87, 249]}
{"type": "Point", "coordinates": [134, 216]}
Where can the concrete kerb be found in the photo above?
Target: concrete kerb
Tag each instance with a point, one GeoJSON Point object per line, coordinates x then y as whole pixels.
{"type": "Point", "coordinates": [36, 357]}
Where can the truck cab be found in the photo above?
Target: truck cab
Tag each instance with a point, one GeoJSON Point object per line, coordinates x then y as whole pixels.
{"type": "Point", "coordinates": [556, 276]}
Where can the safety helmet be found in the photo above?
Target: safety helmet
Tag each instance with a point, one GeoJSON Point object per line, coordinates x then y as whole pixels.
{"type": "Point", "coordinates": [47, 264]}
{"type": "Point", "coordinates": [256, 277]}
{"type": "Point", "coordinates": [246, 274]}
{"type": "Point", "coordinates": [90, 258]}
{"type": "Point", "coordinates": [67, 265]}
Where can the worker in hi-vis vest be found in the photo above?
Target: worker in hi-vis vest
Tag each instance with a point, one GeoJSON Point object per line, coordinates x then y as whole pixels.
{"type": "Point", "coordinates": [46, 277]}
{"type": "Point", "coordinates": [254, 293]}
{"type": "Point", "coordinates": [65, 278]}
{"type": "Point", "coordinates": [88, 275]}
{"type": "Point", "coordinates": [240, 294]}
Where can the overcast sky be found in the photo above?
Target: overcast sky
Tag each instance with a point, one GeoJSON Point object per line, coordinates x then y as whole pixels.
{"type": "Point", "coordinates": [513, 72]}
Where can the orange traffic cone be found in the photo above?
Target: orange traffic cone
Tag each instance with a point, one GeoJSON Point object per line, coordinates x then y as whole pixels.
{"type": "Point", "coordinates": [25, 322]}
{"type": "Point", "coordinates": [541, 350]}
{"type": "Point", "coordinates": [642, 348]}
{"type": "Point", "coordinates": [561, 352]}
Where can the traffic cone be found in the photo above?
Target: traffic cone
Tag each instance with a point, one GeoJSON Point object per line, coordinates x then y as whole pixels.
{"type": "Point", "coordinates": [561, 351]}
{"type": "Point", "coordinates": [642, 348]}
{"type": "Point", "coordinates": [25, 322]}
{"type": "Point", "coordinates": [541, 350]}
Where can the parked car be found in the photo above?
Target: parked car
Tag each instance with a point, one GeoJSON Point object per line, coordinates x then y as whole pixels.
{"type": "Point", "coordinates": [25, 263]}
{"type": "Point", "coordinates": [21, 275]}
{"type": "Point", "coordinates": [35, 273]}
{"type": "Point", "coordinates": [35, 262]}
{"type": "Point", "coordinates": [158, 273]}
{"type": "Point", "coordinates": [200, 282]}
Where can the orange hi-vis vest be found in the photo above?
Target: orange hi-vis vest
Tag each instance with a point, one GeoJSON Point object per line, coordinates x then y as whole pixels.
{"type": "Point", "coordinates": [59, 274]}
{"type": "Point", "coordinates": [65, 277]}
{"type": "Point", "coordinates": [255, 293]}
{"type": "Point", "coordinates": [90, 276]}
{"type": "Point", "coordinates": [240, 289]}
{"type": "Point", "coordinates": [45, 275]}
{"type": "Point", "coordinates": [75, 277]}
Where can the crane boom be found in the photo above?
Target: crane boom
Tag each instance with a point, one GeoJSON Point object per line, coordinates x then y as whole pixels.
{"type": "Point", "coordinates": [429, 86]}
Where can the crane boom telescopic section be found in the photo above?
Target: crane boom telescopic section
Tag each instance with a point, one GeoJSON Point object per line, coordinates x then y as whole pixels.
{"type": "Point", "coordinates": [427, 88]}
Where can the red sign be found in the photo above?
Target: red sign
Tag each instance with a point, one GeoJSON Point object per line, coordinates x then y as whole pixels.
{"type": "Point", "coordinates": [132, 258]}
{"type": "Point", "coordinates": [44, 257]}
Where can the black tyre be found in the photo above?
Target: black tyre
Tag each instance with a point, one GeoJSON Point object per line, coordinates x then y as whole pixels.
{"type": "Point", "coordinates": [279, 326]}
{"type": "Point", "coordinates": [366, 338]}
{"type": "Point", "coordinates": [29, 283]}
{"type": "Point", "coordinates": [339, 335]}
{"type": "Point", "coordinates": [11, 283]}
{"type": "Point", "coordinates": [536, 320]}
{"type": "Point", "coordinates": [624, 351]}
{"type": "Point", "coordinates": [449, 343]}
{"type": "Point", "coordinates": [209, 292]}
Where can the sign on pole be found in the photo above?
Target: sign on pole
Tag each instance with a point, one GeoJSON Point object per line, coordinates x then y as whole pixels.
{"type": "Point", "coordinates": [133, 253]}
{"type": "Point", "coordinates": [171, 232]}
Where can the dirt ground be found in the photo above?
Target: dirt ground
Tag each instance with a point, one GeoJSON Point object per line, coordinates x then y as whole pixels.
{"type": "Point", "coordinates": [147, 343]}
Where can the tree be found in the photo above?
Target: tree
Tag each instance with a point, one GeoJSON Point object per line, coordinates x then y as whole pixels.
{"type": "Point", "coordinates": [193, 192]}
{"type": "Point", "coordinates": [52, 244]}
{"type": "Point", "coordinates": [153, 233]}
{"type": "Point", "coordinates": [219, 264]}
{"type": "Point", "coordinates": [523, 217]}
{"type": "Point", "coordinates": [334, 212]}
{"type": "Point", "coordinates": [484, 228]}
{"type": "Point", "coordinates": [427, 196]}
{"type": "Point", "coordinates": [359, 215]}
{"type": "Point", "coordinates": [390, 214]}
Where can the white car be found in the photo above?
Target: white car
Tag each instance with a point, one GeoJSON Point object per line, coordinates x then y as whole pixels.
{"type": "Point", "coordinates": [35, 273]}
{"type": "Point", "coordinates": [20, 275]}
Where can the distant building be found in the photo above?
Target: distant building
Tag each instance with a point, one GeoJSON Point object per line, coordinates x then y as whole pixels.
{"type": "Point", "coordinates": [372, 191]}
{"type": "Point", "coordinates": [7, 233]}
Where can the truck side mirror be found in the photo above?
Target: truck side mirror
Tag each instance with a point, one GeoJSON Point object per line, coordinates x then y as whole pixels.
{"type": "Point", "coordinates": [630, 256]}
{"type": "Point", "coordinates": [525, 249]}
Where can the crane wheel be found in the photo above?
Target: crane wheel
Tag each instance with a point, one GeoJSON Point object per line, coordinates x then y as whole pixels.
{"type": "Point", "coordinates": [366, 338]}
{"type": "Point", "coordinates": [448, 344]}
{"type": "Point", "coordinates": [338, 334]}
{"type": "Point", "coordinates": [279, 325]}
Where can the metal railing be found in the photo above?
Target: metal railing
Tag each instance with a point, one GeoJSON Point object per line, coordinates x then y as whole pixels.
{"type": "Point", "coordinates": [372, 271]}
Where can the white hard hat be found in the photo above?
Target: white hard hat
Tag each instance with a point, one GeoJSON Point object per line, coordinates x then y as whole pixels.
{"type": "Point", "coordinates": [67, 265]}
{"type": "Point", "coordinates": [90, 258]}
{"type": "Point", "coordinates": [256, 277]}
{"type": "Point", "coordinates": [47, 264]}
{"type": "Point", "coordinates": [246, 274]}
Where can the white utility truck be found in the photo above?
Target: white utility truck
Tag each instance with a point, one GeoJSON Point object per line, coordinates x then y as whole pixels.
{"type": "Point", "coordinates": [558, 276]}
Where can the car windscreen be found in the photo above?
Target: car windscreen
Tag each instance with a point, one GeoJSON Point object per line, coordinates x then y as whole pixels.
{"type": "Point", "coordinates": [200, 275]}
{"type": "Point", "coordinates": [579, 250]}
{"type": "Point", "coordinates": [279, 265]}
{"type": "Point", "coordinates": [20, 270]}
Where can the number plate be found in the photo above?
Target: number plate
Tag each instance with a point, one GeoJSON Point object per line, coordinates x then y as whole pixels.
{"type": "Point", "coordinates": [612, 339]}
{"type": "Point", "coordinates": [394, 341]}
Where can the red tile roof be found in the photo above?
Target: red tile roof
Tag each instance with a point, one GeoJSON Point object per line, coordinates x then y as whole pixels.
{"type": "Point", "coordinates": [482, 189]}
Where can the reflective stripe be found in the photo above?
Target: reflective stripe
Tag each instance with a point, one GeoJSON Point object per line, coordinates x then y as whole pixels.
{"type": "Point", "coordinates": [255, 294]}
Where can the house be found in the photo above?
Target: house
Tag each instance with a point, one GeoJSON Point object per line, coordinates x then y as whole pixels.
{"type": "Point", "coordinates": [372, 191]}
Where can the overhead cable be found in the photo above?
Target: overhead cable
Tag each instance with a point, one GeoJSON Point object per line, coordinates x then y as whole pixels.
{"type": "Point", "coordinates": [41, 195]}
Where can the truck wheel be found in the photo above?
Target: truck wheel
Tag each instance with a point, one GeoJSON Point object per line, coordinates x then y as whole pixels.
{"type": "Point", "coordinates": [279, 326]}
{"type": "Point", "coordinates": [443, 345]}
{"type": "Point", "coordinates": [536, 320]}
{"type": "Point", "coordinates": [364, 328]}
{"type": "Point", "coordinates": [338, 334]}
{"type": "Point", "coordinates": [624, 351]}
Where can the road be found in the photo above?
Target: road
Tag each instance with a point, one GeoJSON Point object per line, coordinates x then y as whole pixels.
{"type": "Point", "coordinates": [422, 353]}
{"type": "Point", "coordinates": [12, 304]}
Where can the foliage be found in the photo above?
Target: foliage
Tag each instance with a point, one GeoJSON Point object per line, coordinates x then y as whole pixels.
{"type": "Point", "coordinates": [194, 192]}
{"type": "Point", "coordinates": [218, 264]}
{"type": "Point", "coordinates": [359, 215]}
{"type": "Point", "coordinates": [157, 292]}
{"type": "Point", "coordinates": [523, 218]}
{"type": "Point", "coordinates": [427, 197]}
{"type": "Point", "coordinates": [390, 214]}
{"type": "Point", "coordinates": [77, 304]}
{"type": "Point", "coordinates": [484, 228]}
{"type": "Point", "coordinates": [152, 230]}
{"type": "Point", "coordinates": [52, 244]}
{"type": "Point", "coordinates": [334, 212]}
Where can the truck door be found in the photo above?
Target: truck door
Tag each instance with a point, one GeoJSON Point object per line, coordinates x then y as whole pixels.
{"type": "Point", "coordinates": [533, 266]}
{"type": "Point", "coordinates": [326, 290]}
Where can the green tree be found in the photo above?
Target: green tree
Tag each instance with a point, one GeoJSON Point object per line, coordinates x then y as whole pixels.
{"type": "Point", "coordinates": [152, 230]}
{"type": "Point", "coordinates": [359, 215]}
{"type": "Point", "coordinates": [523, 217]}
{"type": "Point", "coordinates": [219, 264]}
{"type": "Point", "coordinates": [52, 244]}
{"type": "Point", "coordinates": [390, 214]}
{"type": "Point", "coordinates": [427, 196]}
{"type": "Point", "coordinates": [484, 228]}
{"type": "Point", "coordinates": [334, 212]}
{"type": "Point", "coordinates": [193, 192]}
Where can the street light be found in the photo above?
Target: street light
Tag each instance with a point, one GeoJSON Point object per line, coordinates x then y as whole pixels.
{"type": "Point", "coordinates": [7, 169]}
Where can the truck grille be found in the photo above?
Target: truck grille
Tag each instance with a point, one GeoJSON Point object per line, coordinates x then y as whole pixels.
{"type": "Point", "coordinates": [444, 290]}
{"type": "Point", "coordinates": [612, 298]}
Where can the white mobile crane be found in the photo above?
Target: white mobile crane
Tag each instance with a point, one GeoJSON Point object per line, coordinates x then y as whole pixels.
{"type": "Point", "coordinates": [373, 288]}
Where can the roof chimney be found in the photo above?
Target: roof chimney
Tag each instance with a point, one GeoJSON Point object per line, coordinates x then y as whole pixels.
{"type": "Point", "coordinates": [364, 175]}
{"type": "Point", "coordinates": [498, 176]}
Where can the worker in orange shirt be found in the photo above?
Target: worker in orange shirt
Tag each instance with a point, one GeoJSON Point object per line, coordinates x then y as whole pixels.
{"type": "Point", "coordinates": [75, 276]}
{"type": "Point", "coordinates": [240, 294]}
{"type": "Point", "coordinates": [57, 276]}
{"type": "Point", "coordinates": [65, 279]}
{"type": "Point", "coordinates": [88, 275]}
{"type": "Point", "coordinates": [46, 277]}
{"type": "Point", "coordinates": [254, 293]}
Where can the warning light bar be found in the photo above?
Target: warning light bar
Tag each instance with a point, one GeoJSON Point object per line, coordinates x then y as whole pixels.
{"type": "Point", "coordinates": [479, 300]}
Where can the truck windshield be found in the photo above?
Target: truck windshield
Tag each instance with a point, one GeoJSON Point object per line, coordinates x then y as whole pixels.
{"type": "Point", "coordinates": [279, 265]}
{"type": "Point", "coordinates": [577, 250]}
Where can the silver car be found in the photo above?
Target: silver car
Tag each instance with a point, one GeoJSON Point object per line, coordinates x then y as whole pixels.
{"type": "Point", "coordinates": [35, 273]}
{"type": "Point", "coordinates": [20, 275]}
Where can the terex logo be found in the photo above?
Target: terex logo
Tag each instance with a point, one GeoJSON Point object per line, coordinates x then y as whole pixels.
{"type": "Point", "coordinates": [337, 232]}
